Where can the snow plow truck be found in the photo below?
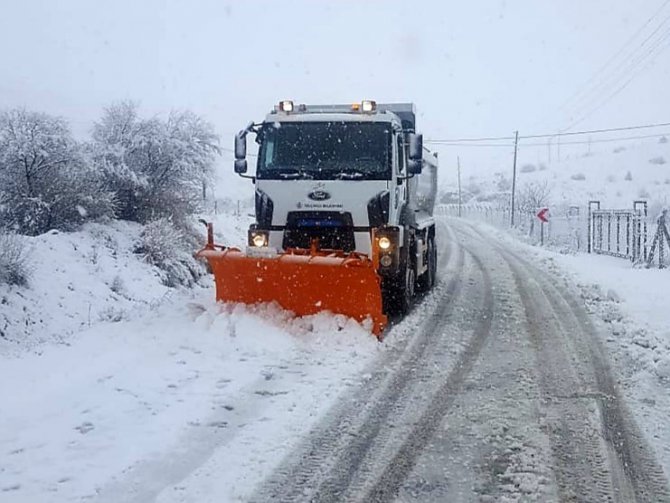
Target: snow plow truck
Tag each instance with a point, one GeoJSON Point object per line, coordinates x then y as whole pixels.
{"type": "Point", "coordinates": [344, 198]}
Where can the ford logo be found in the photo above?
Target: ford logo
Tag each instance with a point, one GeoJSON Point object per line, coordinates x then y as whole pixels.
{"type": "Point", "coordinates": [318, 195]}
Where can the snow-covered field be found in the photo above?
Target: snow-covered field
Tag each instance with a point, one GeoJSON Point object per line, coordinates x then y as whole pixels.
{"type": "Point", "coordinates": [185, 377]}
{"type": "Point", "coordinates": [106, 374]}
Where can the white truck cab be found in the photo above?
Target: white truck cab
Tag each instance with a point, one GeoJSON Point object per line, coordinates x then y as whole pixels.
{"type": "Point", "coordinates": [348, 177]}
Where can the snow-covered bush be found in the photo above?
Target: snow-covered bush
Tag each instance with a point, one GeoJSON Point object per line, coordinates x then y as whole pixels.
{"type": "Point", "coordinates": [112, 314]}
{"type": "Point", "coordinates": [657, 160]}
{"type": "Point", "coordinates": [156, 168]}
{"type": "Point", "coordinates": [45, 182]}
{"type": "Point", "coordinates": [14, 260]}
{"type": "Point", "coordinates": [578, 177]}
{"type": "Point", "coordinates": [164, 245]}
{"type": "Point", "coordinates": [628, 177]}
{"type": "Point", "coordinates": [528, 168]}
{"type": "Point", "coordinates": [118, 286]}
{"type": "Point", "coordinates": [502, 183]}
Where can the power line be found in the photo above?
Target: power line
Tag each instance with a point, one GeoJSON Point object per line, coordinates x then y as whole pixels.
{"type": "Point", "coordinates": [466, 141]}
{"type": "Point", "coordinates": [536, 144]}
{"type": "Point", "coordinates": [598, 131]}
{"type": "Point", "coordinates": [634, 68]}
{"type": "Point", "coordinates": [504, 145]}
{"type": "Point", "coordinates": [602, 140]}
{"type": "Point", "coordinates": [585, 90]}
{"type": "Point", "coordinates": [474, 139]}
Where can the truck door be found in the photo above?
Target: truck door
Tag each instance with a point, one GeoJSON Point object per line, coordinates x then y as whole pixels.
{"type": "Point", "coordinates": [401, 190]}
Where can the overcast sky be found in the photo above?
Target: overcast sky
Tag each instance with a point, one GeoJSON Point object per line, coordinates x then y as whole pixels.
{"type": "Point", "coordinates": [474, 68]}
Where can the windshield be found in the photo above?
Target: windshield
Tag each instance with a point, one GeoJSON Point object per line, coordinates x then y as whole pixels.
{"type": "Point", "coordinates": [325, 151]}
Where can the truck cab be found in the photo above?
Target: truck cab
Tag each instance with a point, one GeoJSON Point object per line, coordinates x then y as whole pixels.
{"type": "Point", "coordinates": [347, 177]}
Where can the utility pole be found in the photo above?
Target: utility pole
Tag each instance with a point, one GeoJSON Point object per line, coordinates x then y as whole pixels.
{"type": "Point", "coordinates": [516, 148]}
{"type": "Point", "coordinates": [460, 201]}
{"type": "Point", "coordinates": [549, 150]}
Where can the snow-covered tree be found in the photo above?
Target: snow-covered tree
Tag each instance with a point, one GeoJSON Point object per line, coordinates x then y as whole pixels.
{"type": "Point", "coordinates": [156, 168]}
{"type": "Point", "coordinates": [45, 182]}
{"type": "Point", "coordinates": [533, 196]}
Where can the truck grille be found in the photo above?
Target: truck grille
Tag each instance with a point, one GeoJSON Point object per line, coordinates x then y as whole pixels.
{"type": "Point", "coordinates": [334, 230]}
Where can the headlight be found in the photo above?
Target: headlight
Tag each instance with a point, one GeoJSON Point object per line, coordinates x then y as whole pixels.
{"type": "Point", "coordinates": [384, 243]}
{"type": "Point", "coordinates": [386, 260]}
{"type": "Point", "coordinates": [258, 240]}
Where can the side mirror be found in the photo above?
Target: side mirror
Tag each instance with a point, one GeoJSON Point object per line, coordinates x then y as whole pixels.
{"type": "Point", "coordinates": [414, 167]}
{"type": "Point", "coordinates": [240, 146]}
{"type": "Point", "coordinates": [240, 166]}
{"type": "Point", "coordinates": [415, 147]}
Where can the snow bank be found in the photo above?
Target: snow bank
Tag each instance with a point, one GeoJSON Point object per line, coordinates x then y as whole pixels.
{"type": "Point", "coordinates": [81, 279]}
{"type": "Point", "coordinates": [632, 305]}
{"type": "Point", "coordinates": [78, 280]}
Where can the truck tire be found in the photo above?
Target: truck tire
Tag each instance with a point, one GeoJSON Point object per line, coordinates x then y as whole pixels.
{"type": "Point", "coordinates": [407, 291]}
{"type": "Point", "coordinates": [398, 293]}
{"type": "Point", "coordinates": [427, 279]}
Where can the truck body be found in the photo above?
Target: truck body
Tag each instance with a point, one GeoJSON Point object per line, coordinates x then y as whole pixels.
{"type": "Point", "coordinates": [344, 198]}
{"type": "Point", "coordinates": [342, 175]}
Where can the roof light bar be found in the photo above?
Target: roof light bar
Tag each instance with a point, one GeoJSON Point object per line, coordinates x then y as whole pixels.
{"type": "Point", "coordinates": [286, 106]}
{"type": "Point", "coordinates": [368, 106]}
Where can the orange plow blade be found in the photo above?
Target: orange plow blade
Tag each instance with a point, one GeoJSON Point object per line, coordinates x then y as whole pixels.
{"type": "Point", "coordinates": [301, 281]}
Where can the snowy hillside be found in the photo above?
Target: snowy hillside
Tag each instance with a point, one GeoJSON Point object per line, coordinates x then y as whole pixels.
{"type": "Point", "coordinates": [93, 276]}
{"type": "Point", "coordinates": [613, 173]}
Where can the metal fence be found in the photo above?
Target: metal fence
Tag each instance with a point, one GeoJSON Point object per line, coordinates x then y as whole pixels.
{"type": "Point", "coordinates": [660, 242]}
{"type": "Point", "coordinates": [566, 229]}
{"type": "Point", "coordinates": [618, 232]}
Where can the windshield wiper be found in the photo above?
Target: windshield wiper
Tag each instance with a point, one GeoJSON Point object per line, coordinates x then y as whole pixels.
{"type": "Point", "coordinates": [293, 174]}
{"type": "Point", "coordinates": [349, 175]}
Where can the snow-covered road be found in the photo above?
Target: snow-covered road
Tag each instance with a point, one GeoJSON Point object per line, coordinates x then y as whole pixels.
{"type": "Point", "coordinates": [503, 394]}
{"type": "Point", "coordinates": [495, 388]}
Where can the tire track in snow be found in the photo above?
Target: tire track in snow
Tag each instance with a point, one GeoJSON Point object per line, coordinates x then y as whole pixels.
{"type": "Point", "coordinates": [400, 466]}
{"type": "Point", "coordinates": [600, 453]}
{"type": "Point", "coordinates": [635, 473]}
{"type": "Point", "coordinates": [336, 451]}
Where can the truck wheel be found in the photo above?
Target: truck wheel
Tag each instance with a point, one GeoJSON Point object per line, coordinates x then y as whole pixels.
{"type": "Point", "coordinates": [398, 293]}
{"type": "Point", "coordinates": [433, 263]}
{"type": "Point", "coordinates": [427, 279]}
{"type": "Point", "coordinates": [406, 292]}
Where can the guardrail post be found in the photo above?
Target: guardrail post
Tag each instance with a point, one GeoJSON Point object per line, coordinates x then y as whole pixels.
{"type": "Point", "coordinates": [593, 205]}
{"type": "Point", "coordinates": [640, 230]}
{"type": "Point", "coordinates": [609, 231]}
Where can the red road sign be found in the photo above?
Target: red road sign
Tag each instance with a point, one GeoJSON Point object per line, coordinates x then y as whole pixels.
{"type": "Point", "coordinates": [542, 215]}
